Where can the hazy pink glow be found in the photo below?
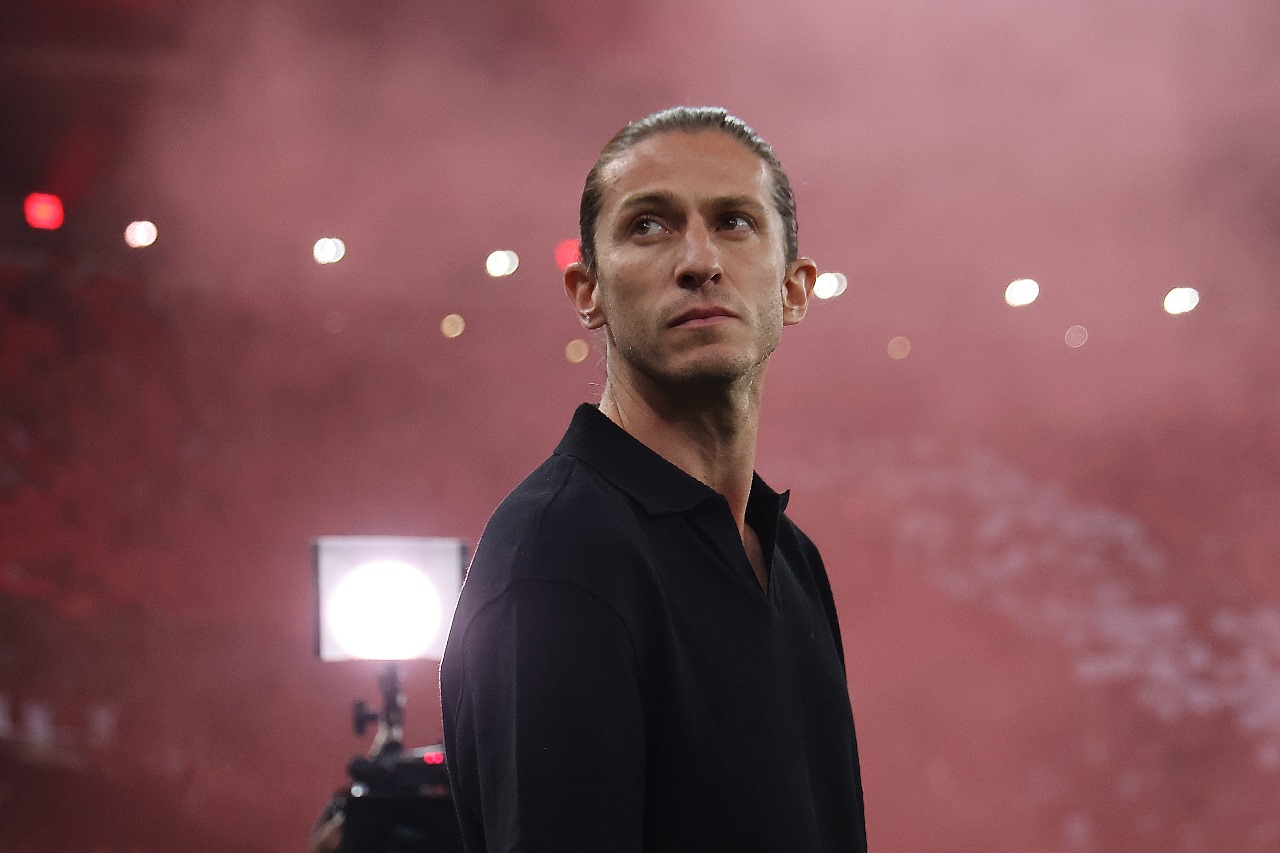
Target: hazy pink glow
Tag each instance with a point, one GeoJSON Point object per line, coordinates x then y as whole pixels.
{"type": "Point", "coordinates": [1055, 566]}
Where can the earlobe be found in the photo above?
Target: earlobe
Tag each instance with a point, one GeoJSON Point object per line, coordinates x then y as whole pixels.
{"type": "Point", "coordinates": [796, 289]}
{"type": "Point", "coordinates": [581, 288]}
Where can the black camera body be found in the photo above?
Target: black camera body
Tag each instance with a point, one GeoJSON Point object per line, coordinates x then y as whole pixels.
{"type": "Point", "coordinates": [399, 802]}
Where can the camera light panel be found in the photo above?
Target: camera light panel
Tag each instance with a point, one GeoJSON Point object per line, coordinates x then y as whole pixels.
{"type": "Point", "coordinates": [385, 597]}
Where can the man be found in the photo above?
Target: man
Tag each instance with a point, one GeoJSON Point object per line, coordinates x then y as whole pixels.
{"type": "Point", "coordinates": [645, 655]}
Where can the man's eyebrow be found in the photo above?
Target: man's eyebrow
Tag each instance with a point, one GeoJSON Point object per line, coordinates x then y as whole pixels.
{"type": "Point", "coordinates": [741, 202]}
{"type": "Point", "coordinates": [661, 198]}
{"type": "Point", "coordinates": [655, 198]}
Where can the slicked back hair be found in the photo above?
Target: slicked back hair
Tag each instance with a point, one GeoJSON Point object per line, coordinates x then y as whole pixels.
{"type": "Point", "coordinates": [685, 120]}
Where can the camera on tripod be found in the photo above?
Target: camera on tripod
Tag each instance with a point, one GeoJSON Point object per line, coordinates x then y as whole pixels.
{"type": "Point", "coordinates": [387, 598]}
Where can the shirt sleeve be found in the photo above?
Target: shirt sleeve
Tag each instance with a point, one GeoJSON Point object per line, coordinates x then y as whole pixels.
{"type": "Point", "coordinates": [548, 741]}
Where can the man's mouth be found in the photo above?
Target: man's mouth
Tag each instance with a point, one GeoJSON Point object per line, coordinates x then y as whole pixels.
{"type": "Point", "coordinates": [703, 317]}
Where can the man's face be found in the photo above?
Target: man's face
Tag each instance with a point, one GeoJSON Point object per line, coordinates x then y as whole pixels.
{"type": "Point", "coordinates": [691, 282]}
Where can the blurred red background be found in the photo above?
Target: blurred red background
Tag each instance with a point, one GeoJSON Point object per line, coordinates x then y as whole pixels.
{"type": "Point", "coordinates": [1056, 565]}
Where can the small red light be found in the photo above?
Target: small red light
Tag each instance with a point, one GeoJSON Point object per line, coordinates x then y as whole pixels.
{"type": "Point", "coordinates": [43, 211]}
{"type": "Point", "coordinates": [567, 252]}
{"type": "Point", "coordinates": [433, 757]}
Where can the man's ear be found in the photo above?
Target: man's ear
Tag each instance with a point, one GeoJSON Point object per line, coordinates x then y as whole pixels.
{"type": "Point", "coordinates": [581, 287]}
{"type": "Point", "coordinates": [796, 290]}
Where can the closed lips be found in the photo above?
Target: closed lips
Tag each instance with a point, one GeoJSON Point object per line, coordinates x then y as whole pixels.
{"type": "Point", "coordinates": [701, 314]}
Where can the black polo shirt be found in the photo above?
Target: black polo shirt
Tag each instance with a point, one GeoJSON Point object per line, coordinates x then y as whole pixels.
{"type": "Point", "coordinates": [617, 680]}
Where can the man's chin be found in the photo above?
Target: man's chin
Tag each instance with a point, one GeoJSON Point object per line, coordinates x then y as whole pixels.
{"type": "Point", "coordinates": [708, 369]}
{"type": "Point", "coordinates": [712, 372]}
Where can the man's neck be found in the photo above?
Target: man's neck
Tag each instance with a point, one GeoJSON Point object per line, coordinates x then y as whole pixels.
{"type": "Point", "coordinates": [709, 433]}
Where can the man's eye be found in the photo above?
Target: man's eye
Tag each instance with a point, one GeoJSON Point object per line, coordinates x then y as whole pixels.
{"type": "Point", "coordinates": [645, 227]}
{"type": "Point", "coordinates": [736, 222]}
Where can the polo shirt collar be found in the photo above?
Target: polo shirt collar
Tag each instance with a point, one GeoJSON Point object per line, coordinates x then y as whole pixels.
{"type": "Point", "coordinates": [652, 481]}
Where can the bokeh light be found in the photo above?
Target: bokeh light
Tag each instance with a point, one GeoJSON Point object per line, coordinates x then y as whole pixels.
{"type": "Point", "coordinates": [43, 211]}
{"type": "Point", "coordinates": [140, 234]}
{"type": "Point", "coordinates": [329, 250]}
{"type": "Point", "coordinates": [829, 285]}
{"type": "Point", "coordinates": [1076, 336]}
{"type": "Point", "coordinates": [452, 325]}
{"type": "Point", "coordinates": [576, 350]}
{"type": "Point", "coordinates": [1022, 291]}
{"type": "Point", "coordinates": [899, 348]}
{"type": "Point", "coordinates": [1180, 300]}
{"type": "Point", "coordinates": [568, 252]}
{"type": "Point", "coordinates": [501, 263]}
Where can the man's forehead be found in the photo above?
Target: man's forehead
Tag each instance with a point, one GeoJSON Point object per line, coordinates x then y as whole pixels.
{"type": "Point", "coordinates": [703, 163]}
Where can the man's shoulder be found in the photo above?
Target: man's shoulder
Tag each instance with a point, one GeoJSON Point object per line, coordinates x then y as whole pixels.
{"type": "Point", "coordinates": [565, 524]}
{"type": "Point", "coordinates": [564, 512]}
{"type": "Point", "coordinates": [561, 492]}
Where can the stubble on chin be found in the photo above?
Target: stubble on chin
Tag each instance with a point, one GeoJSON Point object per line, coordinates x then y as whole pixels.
{"type": "Point", "coordinates": [711, 374]}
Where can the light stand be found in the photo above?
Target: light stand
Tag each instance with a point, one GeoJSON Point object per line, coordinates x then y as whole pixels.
{"type": "Point", "coordinates": [390, 737]}
{"type": "Point", "coordinates": [399, 800]}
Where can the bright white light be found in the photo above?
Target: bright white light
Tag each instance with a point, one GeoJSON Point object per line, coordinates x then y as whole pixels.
{"type": "Point", "coordinates": [140, 234]}
{"type": "Point", "coordinates": [384, 610]}
{"type": "Point", "coordinates": [1021, 292]}
{"type": "Point", "coordinates": [1076, 336]}
{"type": "Point", "coordinates": [501, 263]}
{"type": "Point", "coordinates": [385, 597]}
{"type": "Point", "coordinates": [1180, 300]}
{"type": "Point", "coordinates": [829, 285]}
{"type": "Point", "coordinates": [329, 250]}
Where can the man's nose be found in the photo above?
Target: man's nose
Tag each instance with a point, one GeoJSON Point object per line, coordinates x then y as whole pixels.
{"type": "Point", "coordinates": [700, 259]}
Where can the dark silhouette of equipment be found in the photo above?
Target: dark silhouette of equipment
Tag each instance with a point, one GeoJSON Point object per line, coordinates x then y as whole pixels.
{"type": "Point", "coordinates": [398, 800]}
